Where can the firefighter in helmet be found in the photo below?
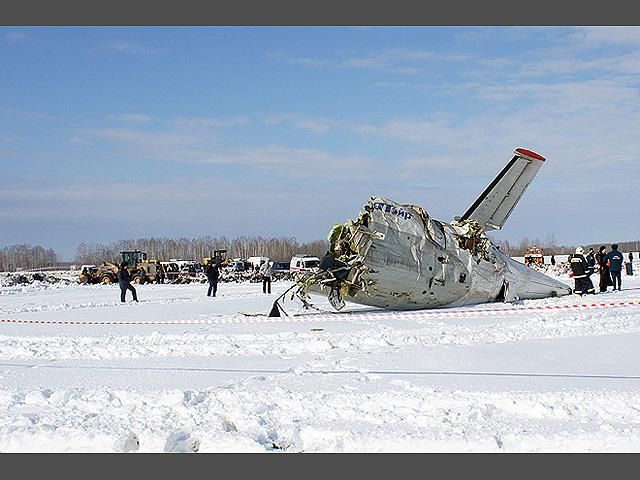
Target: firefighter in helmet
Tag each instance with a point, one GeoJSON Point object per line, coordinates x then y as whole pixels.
{"type": "Point", "coordinates": [581, 271]}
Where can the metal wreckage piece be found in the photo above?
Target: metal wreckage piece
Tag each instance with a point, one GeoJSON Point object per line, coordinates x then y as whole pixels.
{"type": "Point", "coordinates": [398, 257]}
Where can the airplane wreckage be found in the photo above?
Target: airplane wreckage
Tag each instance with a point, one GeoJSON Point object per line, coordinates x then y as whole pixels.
{"type": "Point", "coordinates": [398, 257]}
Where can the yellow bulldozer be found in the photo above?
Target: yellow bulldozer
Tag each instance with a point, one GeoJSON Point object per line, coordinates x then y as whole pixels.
{"type": "Point", "coordinates": [138, 265]}
{"type": "Point", "coordinates": [219, 257]}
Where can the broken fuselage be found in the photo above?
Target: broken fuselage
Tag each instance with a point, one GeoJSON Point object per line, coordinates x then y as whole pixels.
{"type": "Point", "coordinates": [397, 257]}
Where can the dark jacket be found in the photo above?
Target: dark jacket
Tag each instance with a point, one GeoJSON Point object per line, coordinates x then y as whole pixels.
{"type": "Point", "coordinates": [212, 273]}
{"type": "Point", "coordinates": [591, 261]}
{"type": "Point", "coordinates": [123, 276]}
{"type": "Point", "coordinates": [579, 266]}
{"type": "Point", "coordinates": [616, 260]}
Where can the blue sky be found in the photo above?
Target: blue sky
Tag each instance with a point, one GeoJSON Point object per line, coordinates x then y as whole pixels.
{"type": "Point", "coordinates": [126, 132]}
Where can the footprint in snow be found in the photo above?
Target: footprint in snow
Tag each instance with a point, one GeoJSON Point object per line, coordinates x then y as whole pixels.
{"type": "Point", "coordinates": [182, 442]}
{"type": "Point", "coordinates": [131, 443]}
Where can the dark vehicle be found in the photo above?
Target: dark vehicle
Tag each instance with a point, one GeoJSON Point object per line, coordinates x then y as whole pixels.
{"type": "Point", "coordinates": [280, 270]}
{"type": "Point", "coordinates": [240, 266]}
{"type": "Point", "coordinates": [171, 271]}
{"type": "Point", "coordinates": [280, 266]}
{"type": "Point", "coordinates": [190, 270]}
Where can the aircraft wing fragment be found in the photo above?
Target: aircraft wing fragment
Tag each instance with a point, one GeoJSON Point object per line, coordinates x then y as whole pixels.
{"type": "Point", "coordinates": [492, 208]}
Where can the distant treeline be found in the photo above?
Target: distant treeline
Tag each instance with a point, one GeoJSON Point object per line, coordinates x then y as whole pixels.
{"type": "Point", "coordinates": [277, 249]}
{"type": "Point", "coordinates": [26, 257]}
{"type": "Point", "coordinates": [550, 246]}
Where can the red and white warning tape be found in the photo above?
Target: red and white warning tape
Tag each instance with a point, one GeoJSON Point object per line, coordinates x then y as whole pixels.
{"type": "Point", "coordinates": [354, 315]}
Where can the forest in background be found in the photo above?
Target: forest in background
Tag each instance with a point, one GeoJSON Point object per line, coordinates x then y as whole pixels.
{"type": "Point", "coordinates": [277, 249]}
{"type": "Point", "coordinates": [14, 257]}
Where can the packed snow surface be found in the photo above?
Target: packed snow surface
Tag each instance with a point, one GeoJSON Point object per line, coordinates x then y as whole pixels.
{"type": "Point", "coordinates": [183, 372]}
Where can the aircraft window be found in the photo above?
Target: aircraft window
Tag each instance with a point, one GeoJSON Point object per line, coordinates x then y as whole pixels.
{"type": "Point", "coordinates": [436, 233]}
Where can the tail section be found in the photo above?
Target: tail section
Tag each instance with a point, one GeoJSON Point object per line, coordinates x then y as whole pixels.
{"type": "Point", "coordinates": [492, 208]}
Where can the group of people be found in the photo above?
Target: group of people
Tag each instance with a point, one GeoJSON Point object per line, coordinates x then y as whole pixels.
{"type": "Point", "coordinates": [212, 272]}
{"type": "Point", "coordinates": [609, 266]}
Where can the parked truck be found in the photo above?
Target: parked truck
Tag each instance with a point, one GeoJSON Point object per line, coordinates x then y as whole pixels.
{"type": "Point", "coordinates": [534, 254]}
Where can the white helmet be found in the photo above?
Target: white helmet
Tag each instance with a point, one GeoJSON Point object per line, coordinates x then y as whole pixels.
{"type": "Point", "coordinates": [580, 250]}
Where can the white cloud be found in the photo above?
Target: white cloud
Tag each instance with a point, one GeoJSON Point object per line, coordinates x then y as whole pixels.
{"type": "Point", "coordinates": [569, 64]}
{"type": "Point", "coordinates": [393, 85]}
{"type": "Point", "coordinates": [128, 47]}
{"type": "Point", "coordinates": [311, 124]}
{"type": "Point", "coordinates": [159, 145]}
{"type": "Point", "coordinates": [563, 97]}
{"type": "Point", "coordinates": [600, 36]}
{"type": "Point", "coordinates": [14, 37]}
{"type": "Point", "coordinates": [75, 140]}
{"type": "Point", "coordinates": [390, 60]}
{"type": "Point", "coordinates": [191, 146]}
{"type": "Point", "coordinates": [315, 125]}
{"type": "Point", "coordinates": [423, 131]}
{"type": "Point", "coordinates": [402, 60]}
{"type": "Point", "coordinates": [192, 122]}
{"type": "Point", "coordinates": [130, 118]}
{"type": "Point", "coordinates": [29, 115]}
{"type": "Point", "coordinates": [292, 162]}
{"type": "Point", "coordinates": [298, 61]}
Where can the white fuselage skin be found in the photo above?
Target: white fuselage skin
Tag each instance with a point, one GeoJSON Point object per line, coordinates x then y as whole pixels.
{"type": "Point", "coordinates": [408, 270]}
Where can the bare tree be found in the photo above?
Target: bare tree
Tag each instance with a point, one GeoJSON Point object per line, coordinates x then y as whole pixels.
{"type": "Point", "coordinates": [278, 249]}
{"type": "Point", "coordinates": [26, 257]}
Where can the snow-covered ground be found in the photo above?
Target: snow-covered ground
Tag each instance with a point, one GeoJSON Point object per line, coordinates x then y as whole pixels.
{"type": "Point", "coordinates": [80, 372]}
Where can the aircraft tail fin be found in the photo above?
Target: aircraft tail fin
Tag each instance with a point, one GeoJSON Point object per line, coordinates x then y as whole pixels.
{"type": "Point", "coordinates": [492, 208]}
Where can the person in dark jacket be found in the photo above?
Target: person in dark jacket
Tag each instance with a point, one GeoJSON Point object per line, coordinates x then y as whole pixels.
{"type": "Point", "coordinates": [160, 275]}
{"type": "Point", "coordinates": [553, 260]}
{"type": "Point", "coordinates": [615, 266]}
{"type": "Point", "coordinates": [603, 268]}
{"type": "Point", "coordinates": [591, 259]}
{"type": "Point", "coordinates": [581, 271]}
{"type": "Point", "coordinates": [213, 273]}
{"type": "Point", "coordinates": [143, 276]}
{"type": "Point", "coordinates": [124, 280]}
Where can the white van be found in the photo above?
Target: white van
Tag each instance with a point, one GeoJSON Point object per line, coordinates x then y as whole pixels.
{"type": "Point", "coordinates": [304, 263]}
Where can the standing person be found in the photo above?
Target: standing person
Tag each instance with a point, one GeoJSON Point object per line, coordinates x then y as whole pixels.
{"type": "Point", "coordinates": [160, 275]}
{"type": "Point", "coordinates": [553, 260]}
{"type": "Point", "coordinates": [266, 271]}
{"type": "Point", "coordinates": [615, 266]}
{"type": "Point", "coordinates": [124, 280]}
{"type": "Point", "coordinates": [581, 272]}
{"type": "Point", "coordinates": [603, 268]}
{"type": "Point", "coordinates": [591, 259]}
{"type": "Point", "coordinates": [213, 273]}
